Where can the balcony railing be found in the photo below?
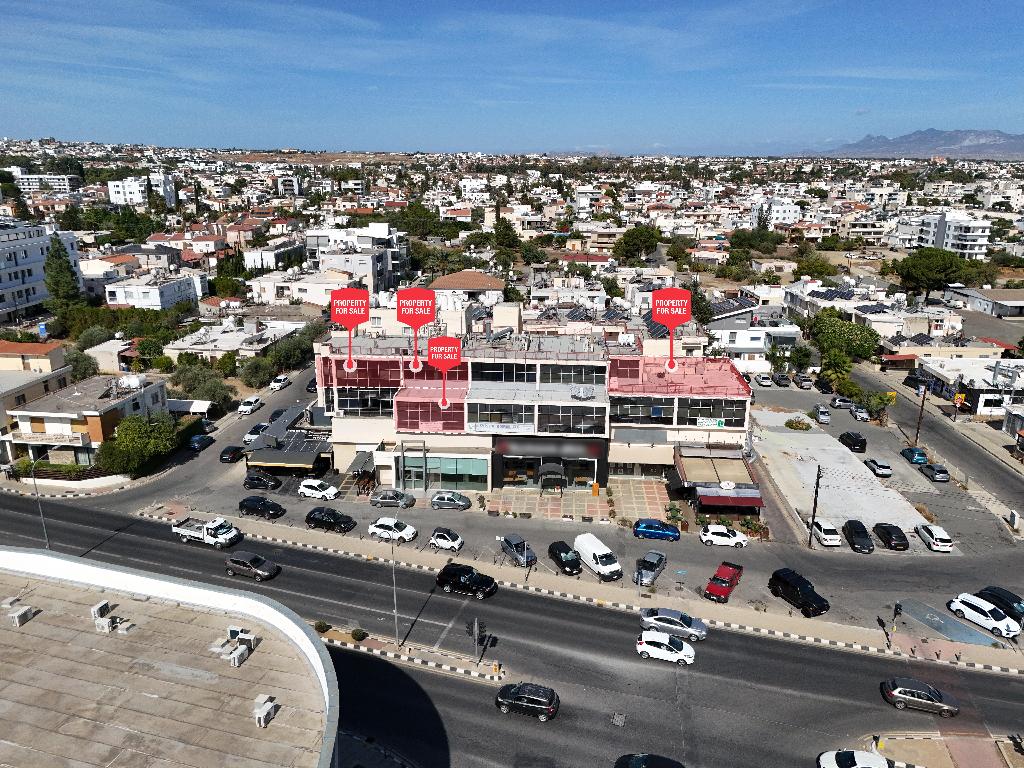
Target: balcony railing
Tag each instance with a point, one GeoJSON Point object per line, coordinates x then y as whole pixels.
{"type": "Point", "coordinates": [50, 438]}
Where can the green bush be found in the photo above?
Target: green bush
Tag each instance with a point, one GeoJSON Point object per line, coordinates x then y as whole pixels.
{"type": "Point", "coordinates": [321, 626]}
{"type": "Point", "coordinates": [798, 424]}
{"type": "Point", "coordinates": [23, 468]}
{"type": "Point", "coordinates": [258, 372]}
{"type": "Point", "coordinates": [163, 363]}
{"type": "Point", "coordinates": [359, 635]}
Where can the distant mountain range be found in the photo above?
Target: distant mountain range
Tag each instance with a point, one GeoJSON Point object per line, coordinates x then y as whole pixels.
{"type": "Point", "coordinates": [977, 145]}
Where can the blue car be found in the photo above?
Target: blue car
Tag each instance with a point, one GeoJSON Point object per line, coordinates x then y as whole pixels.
{"type": "Point", "coordinates": [649, 528]}
{"type": "Point", "coordinates": [914, 455]}
{"type": "Point", "coordinates": [198, 442]}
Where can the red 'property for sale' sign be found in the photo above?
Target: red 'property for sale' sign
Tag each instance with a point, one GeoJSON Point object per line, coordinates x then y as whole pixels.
{"type": "Point", "coordinates": [444, 353]}
{"type": "Point", "coordinates": [416, 307]}
{"type": "Point", "coordinates": [350, 307]}
{"type": "Point", "coordinates": [671, 307]}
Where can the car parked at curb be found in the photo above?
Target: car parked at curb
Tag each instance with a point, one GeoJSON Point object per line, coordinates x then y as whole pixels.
{"type": "Point", "coordinates": [311, 386]}
{"type": "Point", "coordinates": [317, 489]}
{"type": "Point", "coordinates": [855, 441]}
{"type": "Point", "coordinates": [824, 386]}
{"type": "Point", "coordinates": [1011, 604]}
{"type": "Point", "coordinates": [860, 413]}
{"type": "Point", "coordinates": [518, 551]}
{"type": "Point", "coordinates": [329, 519]}
{"type": "Point", "coordinates": [983, 613]}
{"type": "Point", "coordinates": [527, 699]}
{"type": "Point", "coordinates": [822, 415]}
{"type": "Point", "coordinates": [260, 506]}
{"type": "Point", "coordinates": [935, 472]}
{"type": "Point", "coordinates": [258, 480]}
{"type": "Point", "coordinates": [908, 693]}
{"type": "Point", "coordinates": [914, 455]}
{"type": "Point", "coordinates": [723, 582]}
{"type": "Point", "coordinates": [390, 529]}
{"type": "Point", "coordinates": [450, 500]}
{"type": "Point", "coordinates": [826, 533]}
{"type": "Point", "coordinates": [254, 432]}
{"type": "Point", "coordinates": [857, 537]}
{"type": "Point", "coordinates": [250, 405]}
{"type": "Point", "coordinates": [781, 380]}
{"type": "Point", "coordinates": [649, 528]}
{"type": "Point", "coordinates": [467, 580]}
{"type": "Point", "coordinates": [878, 468]}
{"type": "Point", "coordinates": [842, 403]}
{"type": "Point", "coordinates": [673, 622]}
{"type": "Point", "coordinates": [566, 559]}
{"type": "Point", "coordinates": [392, 497]}
{"type": "Point", "coordinates": [892, 536]}
{"type": "Point", "coordinates": [231, 454]}
{"type": "Point", "coordinates": [934, 537]}
{"type": "Point", "coordinates": [661, 645]}
{"type": "Point", "coordinates": [446, 539]}
{"type": "Point", "coordinates": [763, 379]}
{"type": "Point", "coordinates": [252, 565]}
{"type": "Point", "coordinates": [798, 591]}
{"type": "Point", "coordinates": [649, 568]}
{"type": "Point", "coordinates": [803, 381]}
{"type": "Point", "coordinates": [851, 758]}
{"type": "Point", "coordinates": [199, 442]}
{"type": "Point", "coordinates": [279, 383]}
{"type": "Point", "coordinates": [722, 536]}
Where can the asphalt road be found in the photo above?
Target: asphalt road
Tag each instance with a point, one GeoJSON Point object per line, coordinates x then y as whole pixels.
{"type": "Point", "coordinates": [746, 701]}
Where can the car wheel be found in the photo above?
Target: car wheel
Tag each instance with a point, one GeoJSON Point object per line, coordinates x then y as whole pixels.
{"type": "Point", "coordinates": [806, 613]}
{"type": "Point", "coordinates": [339, 529]}
{"type": "Point", "coordinates": [374, 503]}
{"type": "Point", "coordinates": [447, 587]}
{"type": "Point", "coordinates": [774, 591]}
{"type": "Point", "coordinates": [310, 526]}
{"type": "Point", "coordinates": [645, 655]}
{"type": "Point", "coordinates": [218, 545]}
{"type": "Point", "coordinates": [542, 718]}
{"type": "Point", "coordinates": [434, 507]}
{"type": "Point", "coordinates": [479, 595]}
{"type": "Point", "coordinates": [946, 713]}
{"type": "Point", "coordinates": [708, 543]}
{"type": "Point", "coordinates": [900, 704]}
{"type": "Point", "coordinates": [738, 545]}
{"type": "Point", "coordinates": [258, 577]}
{"type": "Point", "coordinates": [682, 662]}
{"type": "Point", "coordinates": [230, 572]}
{"type": "Point", "coordinates": [184, 539]}
{"type": "Point", "coordinates": [997, 631]}
{"type": "Point", "coordinates": [959, 614]}
{"type": "Point", "coordinates": [504, 709]}
{"type": "Point", "coordinates": [693, 638]}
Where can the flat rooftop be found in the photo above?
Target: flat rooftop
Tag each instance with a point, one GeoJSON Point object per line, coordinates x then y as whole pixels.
{"type": "Point", "coordinates": [89, 395]}
{"type": "Point", "coordinates": [155, 697]}
{"type": "Point", "coordinates": [11, 380]}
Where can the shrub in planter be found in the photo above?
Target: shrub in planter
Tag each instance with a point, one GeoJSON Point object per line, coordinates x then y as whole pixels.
{"type": "Point", "coordinates": [625, 522]}
{"type": "Point", "coordinates": [725, 521]}
{"type": "Point", "coordinates": [798, 424]}
{"type": "Point", "coordinates": [321, 626]}
{"type": "Point", "coordinates": [703, 520]}
{"type": "Point", "coordinates": [359, 635]}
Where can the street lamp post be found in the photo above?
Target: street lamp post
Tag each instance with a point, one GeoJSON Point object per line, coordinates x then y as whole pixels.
{"type": "Point", "coordinates": [39, 503]}
{"type": "Point", "coordinates": [394, 589]}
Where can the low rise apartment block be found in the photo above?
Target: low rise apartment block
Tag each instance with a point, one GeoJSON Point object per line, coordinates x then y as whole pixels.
{"type": "Point", "coordinates": [23, 250]}
{"type": "Point", "coordinates": [158, 289]}
{"type": "Point", "coordinates": [28, 371]}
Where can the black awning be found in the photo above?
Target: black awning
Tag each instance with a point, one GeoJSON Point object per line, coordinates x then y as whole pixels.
{"type": "Point", "coordinates": [551, 469]}
{"type": "Point", "coordinates": [675, 482]}
{"type": "Point", "coordinates": [272, 457]}
{"type": "Point", "coordinates": [359, 462]}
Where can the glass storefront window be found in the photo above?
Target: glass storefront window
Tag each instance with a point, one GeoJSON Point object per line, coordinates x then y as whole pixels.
{"type": "Point", "coordinates": [571, 419]}
{"type": "Point", "coordinates": [572, 374]}
{"type": "Point", "coordinates": [642, 410]}
{"type": "Point", "coordinates": [732, 411]}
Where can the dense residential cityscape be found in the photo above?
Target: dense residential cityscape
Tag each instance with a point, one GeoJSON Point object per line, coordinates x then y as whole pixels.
{"type": "Point", "coordinates": [617, 455]}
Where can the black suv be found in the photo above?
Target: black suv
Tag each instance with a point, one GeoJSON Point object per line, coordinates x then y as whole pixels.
{"type": "Point", "coordinates": [892, 536]}
{"type": "Point", "coordinates": [795, 589]}
{"type": "Point", "coordinates": [231, 454]}
{"type": "Point", "coordinates": [311, 386]}
{"type": "Point", "coordinates": [456, 577]}
{"type": "Point", "coordinates": [329, 519]}
{"type": "Point", "coordinates": [260, 506]}
{"type": "Point", "coordinates": [855, 441]}
{"type": "Point", "coordinates": [857, 535]}
{"type": "Point", "coordinates": [1011, 604]}
{"type": "Point", "coordinates": [528, 699]}
{"type": "Point", "coordinates": [255, 480]}
{"type": "Point", "coordinates": [566, 558]}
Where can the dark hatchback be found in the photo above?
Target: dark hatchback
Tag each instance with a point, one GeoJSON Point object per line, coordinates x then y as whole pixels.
{"type": "Point", "coordinates": [329, 520]}
{"type": "Point", "coordinates": [857, 536]}
{"type": "Point", "coordinates": [231, 454]}
{"type": "Point", "coordinates": [566, 558]}
{"type": "Point", "coordinates": [855, 441]}
{"type": "Point", "coordinates": [891, 536]}
{"type": "Point", "coordinates": [456, 577]}
{"type": "Point", "coordinates": [798, 591]}
{"type": "Point", "coordinates": [260, 506]}
{"type": "Point", "coordinates": [1011, 604]}
{"type": "Point", "coordinates": [527, 699]}
{"type": "Point", "coordinates": [257, 480]}
{"type": "Point", "coordinates": [649, 528]}
{"type": "Point", "coordinates": [311, 386]}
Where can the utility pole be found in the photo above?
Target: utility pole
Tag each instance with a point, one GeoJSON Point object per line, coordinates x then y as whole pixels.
{"type": "Point", "coordinates": [394, 590]}
{"type": "Point", "coordinates": [814, 508]}
{"type": "Point", "coordinates": [920, 414]}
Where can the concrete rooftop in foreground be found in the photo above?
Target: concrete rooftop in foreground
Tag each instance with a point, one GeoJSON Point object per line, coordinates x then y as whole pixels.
{"type": "Point", "coordinates": [156, 697]}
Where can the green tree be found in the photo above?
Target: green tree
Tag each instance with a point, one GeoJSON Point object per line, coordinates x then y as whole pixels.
{"type": "Point", "coordinates": [92, 336]}
{"type": "Point", "coordinates": [138, 441]}
{"type": "Point", "coordinates": [257, 372]}
{"type": "Point", "coordinates": [800, 357]}
{"type": "Point", "coordinates": [929, 269]}
{"type": "Point", "coordinates": [513, 294]}
{"type": "Point", "coordinates": [227, 364]}
{"type": "Point", "coordinates": [82, 365]}
{"type": "Point", "coordinates": [817, 192]}
{"type": "Point", "coordinates": [835, 366]}
{"type": "Point", "coordinates": [850, 389]}
{"type": "Point", "coordinates": [162, 363]}
{"type": "Point", "coordinates": [61, 280]}
{"type": "Point", "coordinates": [816, 266]}
{"type": "Point", "coordinates": [703, 312]}
{"type": "Point", "coordinates": [150, 348]}
{"type": "Point", "coordinates": [635, 244]}
{"type": "Point", "coordinates": [70, 219]}
{"type": "Point", "coordinates": [612, 287]}
{"type": "Point", "coordinates": [228, 287]}
{"type": "Point", "coordinates": [877, 405]}
{"type": "Point", "coordinates": [505, 234]}
{"type": "Point", "coordinates": [776, 358]}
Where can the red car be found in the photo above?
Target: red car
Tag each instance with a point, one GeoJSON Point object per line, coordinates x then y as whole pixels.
{"type": "Point", "coordinates": [725, 580]}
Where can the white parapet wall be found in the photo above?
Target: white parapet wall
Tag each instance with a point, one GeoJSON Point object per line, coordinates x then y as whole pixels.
{"type": "Point", "coordinates": [49, 565]}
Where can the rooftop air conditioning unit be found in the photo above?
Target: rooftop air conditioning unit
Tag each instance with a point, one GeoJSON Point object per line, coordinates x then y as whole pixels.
{"type": "Point", "coordinates": [100, 610]}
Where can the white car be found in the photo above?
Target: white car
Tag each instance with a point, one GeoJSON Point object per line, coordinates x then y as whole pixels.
{"type": "Point", "coordinates": [984, 614]}
{"type": "Point", "coordinates": [388, 529]}
{"type": "Point", "coordinates": [279, 383]}
{"type": "Point", "coordinates": [722, 536]}
{"type": "Point", "coordinates": [763, 379]}
{"type": "Point", "coordinates": [249, 405]}
{"type": "Point", "coordinates": [254, 432]}
{"type": "Point", "coordinates": [879, 468]}
{"type": "Point", "coordinates": [934, 537]}
{"type": "Point", "coordinates": [851, 758]}
{"type": "Point", "coordinates": [317, 489]}
{"type": "Point", "coordinates": [860, 414]}
{"type": "Point", "coordinates": [651, 644]}
{"type": "Point", "coordinates": [826, 533]}
{"type": "Point", "coordinates": [446, 538]}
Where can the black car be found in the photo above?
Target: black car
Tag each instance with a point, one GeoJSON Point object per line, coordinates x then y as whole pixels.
{"type": "Point", "coordinates": [456, 577]}
{"type": "Point", "coordinates": [1012, 605]}
{"type": "Point", "coordinates": [781, 380]}
{"type": "Point", "coordinates": [892, 536]}
{"type": "Point", "coordinates": [329, 519]}
{"type": "Point", "coordinates": [311, 386]}
{"type": "Point", "coordinates": [914, 382]}
{"type": "Point", "coordinates": [795, 589]}
{"type": "Point", "coordinates": [647, 761]}
{"type": "Point", "coordinates": [276, 414]}
{"type": "Point", "coordinates": [855, 441]}
{"type": "Point", "coordinates": [566, 558]}
{"type": "Point", "coordinates": [857, 535]}
{"type": "Point", "coordinates": [260, 506]}
{"type": "Point", "coordinates": [255, 480]}
{"type": "Point", "coordinates": [231, 454]}
{"type": "Point", "coordinates": [527, 699]}
{"type": "Point", "coordinates": [824, 387]}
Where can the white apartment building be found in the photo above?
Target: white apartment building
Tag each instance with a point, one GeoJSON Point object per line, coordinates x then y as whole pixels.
{"type": "Point", "coordinates": [289, 186]}
{"type": "Point", "coordinates": [955, 231]}
{"type": "Point", "coordinates": [158, 290]}
{"type": "Point", "coordinates": [133, 190]}
{"type": "Point", "coordinates": [40, 182]}
{"type": "Point", "coordinates": [373, 238]}
{"type": "Point", "coordinates": [295, 286]}
{"type": "Point", "coordinates": [23, 250]}
{"type": "Point", "coordinates": [274, 255]}
{"type": "Point", "coordinates": [780, 210]}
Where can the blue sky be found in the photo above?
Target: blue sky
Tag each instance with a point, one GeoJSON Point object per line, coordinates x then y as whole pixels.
{"type": "Point", "coordinates": [743, 76]}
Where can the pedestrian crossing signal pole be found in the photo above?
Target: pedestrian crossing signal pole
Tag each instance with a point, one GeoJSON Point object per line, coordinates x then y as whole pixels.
{"type": "Point", "coordinates": [814, 508]}
{"type": "Point", "coordinates": [920, 414]}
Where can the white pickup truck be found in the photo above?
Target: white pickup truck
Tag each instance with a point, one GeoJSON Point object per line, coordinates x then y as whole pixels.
{"type": "Point", "coordinates": [218, 532]}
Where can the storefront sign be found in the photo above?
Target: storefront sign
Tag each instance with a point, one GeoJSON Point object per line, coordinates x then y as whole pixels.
{"type": "Point", "coordinates": [444, 353]}
{"type": "Point", "coordinates": [350, 308]}
{"type": "Point", "coordinates": [671, 307]}
{"type": "Point", "coordinates": [416, 307]}
{"type": "Point", "coordinates": [541, 446]}
{"type": "Point", "coordinates": [493, 427]}
{"type": "Point", "coordinates": [713, 423]}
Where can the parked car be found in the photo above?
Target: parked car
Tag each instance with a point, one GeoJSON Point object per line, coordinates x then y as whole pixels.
{"type": "Point", "coordinates": [860, 413]}
{"type": "Point", "coordinates": [647, 761]}
{"type": "Point", "coordinates": [935, 472]}
{"type": "Point", "coordinates": [915, 455]}
{"type": "Point", "coordinates": [660, 645]}
{"type": "Point", "coordinates": [391, 497]}
{"type": "Point", "coordinates": [566, 558]}
{"type": "Point", "coordinates": [934, 537]}
{"type": "Point", "coordinates": [983, 613]}
{"type": "Point", "coordinates": [855, 441]}
{"type": "Point", "coordinates": [798, 591]}
{"type": "Point", "coordinates": [388, 529]}
{"type": "Point", "coordinates": [803, 381]}
{"type": "Point", "coordinates": [467, 580]}
{"type": "Point", "coordinates": [822, 415]}
{"type": "Point", "coordinates": [722, 536]}
{"type": "Point", "coordinates": [450, 500]}
{"type": "Point", "coordinates": [311, 386]}
{"type": "Point", "coordinates": [446, 539]}
{"type": "Point", "coordinates": [255, 431]}
{"type": "Point", "coordinates": [892, 536]}
{"type": "Point", "coordinates": [1011, 604]}
{"type": "Point", "coordinates": [649, 528]}
{"type": "Point", "coordinates": [843, 403]}
{"type": "Point", "coordinates": [231, 453]}
{"type": "Point", "coordinates": [878, 468]}
{"type": "Point", "coordinates": [851, 758]}
{"type": "Point", "coordinates": [823, 386]}
{"type": "Point", "coordinates": [781, 380]}
{"type": "Point", "coordinates": [915, 382]}
{"type": "Point", "coordinates": [252, 565]}
{"type": "Point", "coordinates": [329, 519]}
{"type": "Point", "coordinates": [723, 582]}
{"type": "Point", "coordinates": [908, 693]}
{"type": "Point", "coordinates": [649, 568]}
{"type": "Point", "coordinates": [597, 557]}
{"type": "Point", "coordinates": [674, 623]}
{"type": "Point", "coordinates": [250, 405]}
{"type": "Point", "coordinates": [260, 506]}
{"type": "Point", "coordinates": [857, 537]}
{"type": "Point", "coordinates": [279, 383]}
{"type": "Point", "coordinates": [317, 489]}
{"type": "Point", "coordinates": [518, 551]}
{"type": "Point", "coordinates": [276, 414]}
{"type": "Point", "coordinates": [826, 533]}
{"type": "Point", "coordinates": [207, 425]}
{"type": "Point", "coordinates": [199, 442]}
{"type": "Point", "coordinates": [527, 699]}
{"type": "Point", "coordinates": [258, 480]}
{"type": "Point", "coordinates": [763, 379]}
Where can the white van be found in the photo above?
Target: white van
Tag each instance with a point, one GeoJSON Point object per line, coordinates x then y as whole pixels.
{"type": "Point", "coordinates": [597, 557]}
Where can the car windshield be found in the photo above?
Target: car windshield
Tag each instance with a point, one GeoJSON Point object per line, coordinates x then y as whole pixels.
{"type": "Point", "coordinates": [719, 581]}
{"type": "Point", "coordinates": [846, 759]}
{"type": "Point", "coordinates": [997, 614]}
{"type": "Point", "coordinates": [569, 556]}
{"type": "Point", "coordinates": [256, 561]}
{"type": "Point", "coordinates": [399, 525]}
{"type": "Point", "coordinates": [676, 644]}
{"type": "Point", "coordinates": [606, 559]}
{"type": "Point", "coordinates": [221, 529]}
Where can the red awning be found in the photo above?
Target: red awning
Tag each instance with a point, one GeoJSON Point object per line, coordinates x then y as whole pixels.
{"type": "Point", "coordinates": [730, 501]}
{"type": "Point", "coordinates": [899, 357]}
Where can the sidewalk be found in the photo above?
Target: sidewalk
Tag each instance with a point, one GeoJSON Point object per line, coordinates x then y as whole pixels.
{"type": "Point", "coordinates": [938, 751]}
{"type": "Point", "coordinates": [621, 595]}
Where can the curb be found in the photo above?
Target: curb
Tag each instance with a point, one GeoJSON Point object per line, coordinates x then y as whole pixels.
{"type": "Point", "coordinates": [631, 608]}
{"type": "Point", "coordinates": [403, 657]}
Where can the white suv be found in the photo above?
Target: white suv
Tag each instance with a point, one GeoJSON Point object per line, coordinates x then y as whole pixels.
{"type": "Point", "coordinates": [249, 405]}
{"type": "Point", "coordinates": [826, 533]}
{"type": "Point", "coordinates": [279, 383]}
{"type": "Point", "coordinates": [935, 538]}
{"type": "Point", "coordinates": [984, 614]}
